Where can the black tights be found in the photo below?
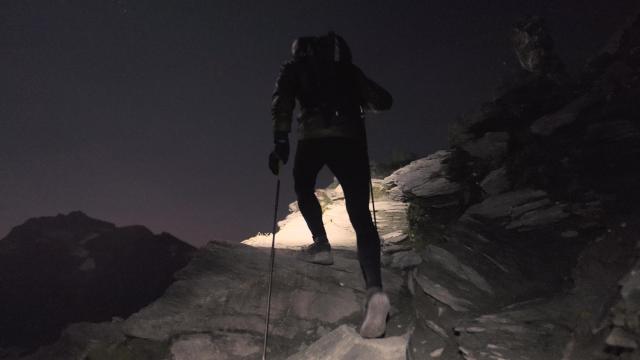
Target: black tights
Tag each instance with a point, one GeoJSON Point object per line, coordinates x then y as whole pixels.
{"type": "Point", "coordinates": [348, 161]}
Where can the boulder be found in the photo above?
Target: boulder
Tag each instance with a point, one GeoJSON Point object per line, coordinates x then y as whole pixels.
{"type": "Point", "coordinates": [211, 347]}
{"type": "Point", "coordinates": [620, 338]}
{"type": "Point", "coordinates": [425, 178]}
{"type": "Point", "coordinates": [344, 343]}
{"type": "Point", "coordinates": [404, 260]}
{"type": "Point", "coordinates": [522, 334]}
{"type": "Point", "coordinates": [394, 238]}
{"type": "Point", "coordinates": [395, 248]}
{"type": "Point", "coordinates": [548, 124]}
{"type": "Point", "coordinates": [434, 198]}
{"type": "Point", "coordinates": [492, 147]}
{"type": "Point", "coordinates": [521, 210]}
{"type": "Point", "coordinates": [496, 182]}
{"type": "Point", "coordinates": [441, 292]}
{"type": "Point", "coordinates": [437, 255]}
{"type": "Point", "coordinates": [502, 205]}
{"type": "Point", "coordinates": [464, 279]}
{"type": "Point", "coordinates": [630, 290]}
{"type": "Point", "coordinates": [539, 217]}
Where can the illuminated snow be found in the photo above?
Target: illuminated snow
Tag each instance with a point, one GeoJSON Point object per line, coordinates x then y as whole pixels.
{"type": "Point", "coordinates": [294, 232]}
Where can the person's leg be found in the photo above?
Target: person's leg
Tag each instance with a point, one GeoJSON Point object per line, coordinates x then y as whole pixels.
{"type": "Point", "coordinates": [349, 162]}
{"type": "Point", "coordinates": [307, 164]}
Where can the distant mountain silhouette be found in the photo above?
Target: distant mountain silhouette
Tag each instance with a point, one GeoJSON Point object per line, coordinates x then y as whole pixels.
{"type": "Point", "coordinates": [69, 268]}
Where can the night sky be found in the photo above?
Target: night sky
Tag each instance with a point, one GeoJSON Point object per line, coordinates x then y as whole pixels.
{"type": "Point", "coordinates": [156, 112]}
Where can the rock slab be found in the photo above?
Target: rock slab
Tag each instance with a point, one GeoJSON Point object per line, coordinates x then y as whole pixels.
{"type": "Point", "coordinates": [345, 343]}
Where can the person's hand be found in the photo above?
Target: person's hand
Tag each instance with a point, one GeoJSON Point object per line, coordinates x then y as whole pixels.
{"type": "Point", "coordinates": [274, 163]}
{"type": "Point", "coordinates": [280, 153]}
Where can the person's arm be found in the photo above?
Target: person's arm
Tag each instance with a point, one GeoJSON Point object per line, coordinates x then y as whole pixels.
{"type": "Point", "coordinates": [374, 97]}
{"type": "Point", "coordinates": [283, 100]}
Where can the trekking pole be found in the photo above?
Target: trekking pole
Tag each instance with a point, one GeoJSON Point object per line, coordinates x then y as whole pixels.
{"type": "Point", "coordinates": [366, 145]}
{"type": "Point", "coordinates": [373, 203]}
{"type": "Point", "coordinates": [271, 264]}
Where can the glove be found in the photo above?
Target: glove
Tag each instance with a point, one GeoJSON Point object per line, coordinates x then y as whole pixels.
{"type": "Point", "coordinates": [280, 152]}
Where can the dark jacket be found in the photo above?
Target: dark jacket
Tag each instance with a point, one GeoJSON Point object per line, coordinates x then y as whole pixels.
{"type": "Point", "coordinates": [333, 98]}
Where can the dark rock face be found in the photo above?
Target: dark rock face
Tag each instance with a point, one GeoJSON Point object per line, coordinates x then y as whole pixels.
{"type": "Point", "coordinates": [537, 258]}
{"type": "Point", "coordinates": [566, 137]}
{"type": "Point", "coordinates": [70, 268]}
{"type": "Point", "coordinates": [534, 47]}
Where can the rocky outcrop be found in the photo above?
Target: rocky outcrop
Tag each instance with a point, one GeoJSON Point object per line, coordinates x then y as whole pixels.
{"type": "Point", "coordinates": [70, 268]}
{"type": "Point", "coordinates": [541, 264]}
{"type": "Point", "coordinates": [426, 178]}
{"type": "Point", "coordinates": [223, 290]}
{"type": "Point", "coordinates": [430, 187]}
{"type": "Point", "coordinates": [216, 308]}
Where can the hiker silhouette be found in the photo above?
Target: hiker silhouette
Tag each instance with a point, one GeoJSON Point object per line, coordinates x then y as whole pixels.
{"type": "Point", "coordinates": [334, 96]}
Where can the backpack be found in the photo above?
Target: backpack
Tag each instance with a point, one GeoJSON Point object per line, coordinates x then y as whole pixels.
{"type": "Point", "coordinates": [332, 84]}
{"type": "Point", "coordinates": [327, 48]}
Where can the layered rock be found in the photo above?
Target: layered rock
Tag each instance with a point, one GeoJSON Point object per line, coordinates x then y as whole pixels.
{"type": "Point", "coordinates": [434, 195]}
{"type": "Point", "coordinates": [345, 343]}
{"type": "Point", "coordinates": [549, 217]}
{"type": "Point", "coordinates": [216, 309]}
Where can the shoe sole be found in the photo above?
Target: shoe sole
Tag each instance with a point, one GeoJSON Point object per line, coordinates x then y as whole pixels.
{"type": "Point", "coordinates": [375, 321]}
{"type": "Point", "coordinates": [321, 258]}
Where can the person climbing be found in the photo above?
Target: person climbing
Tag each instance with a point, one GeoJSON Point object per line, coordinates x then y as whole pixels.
{"type": "Point", "coordinates": [333, 94]}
